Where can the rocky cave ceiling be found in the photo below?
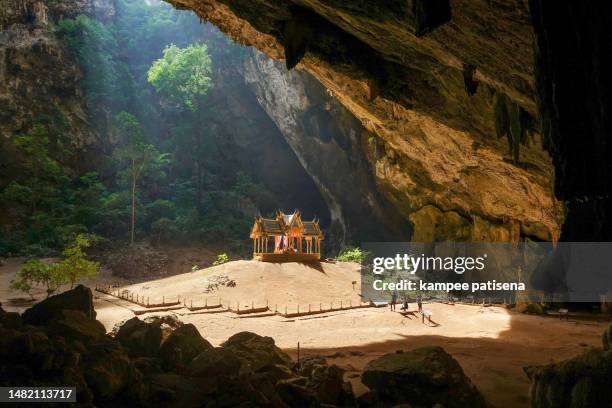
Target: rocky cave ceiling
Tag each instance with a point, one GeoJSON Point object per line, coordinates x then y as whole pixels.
{"type": "Point", "coordinates": [427, 89]}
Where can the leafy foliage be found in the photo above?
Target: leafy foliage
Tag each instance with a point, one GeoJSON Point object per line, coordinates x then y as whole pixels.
{"type": "Point", "coordinates": [51, 276]}
{"type": "Point", "coordinates": [75, 264]}
{"type": "Point", "coordinates": [156, 173]}
{"type": "Point", "coordinates": [353, 254]}
{"type": "Point", "coordinates": [221, 259]}
{"type": "Point", "coordinates": [182, 75]}
{"type": "Point", "coordinates": [105, 76]}
{"type": "Point", "coordinates": [139, 159]}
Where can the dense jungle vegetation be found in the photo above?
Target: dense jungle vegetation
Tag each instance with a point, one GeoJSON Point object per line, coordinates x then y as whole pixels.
{"type": "Point", "coordinates": [152, 174]}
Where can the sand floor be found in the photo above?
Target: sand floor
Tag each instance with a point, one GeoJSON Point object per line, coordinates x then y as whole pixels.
{"type": "Point", "coordinates": [492, 344]}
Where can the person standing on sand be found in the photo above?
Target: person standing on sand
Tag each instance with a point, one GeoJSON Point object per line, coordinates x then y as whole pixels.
{"type": "Point", "coordinates": [420, 304]}
{"type": "Point", "coordinates": [393, 300]}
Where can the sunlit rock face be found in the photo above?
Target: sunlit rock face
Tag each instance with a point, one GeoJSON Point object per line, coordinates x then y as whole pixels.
{"type": "Point", "coordinates": [330, 144]}
{"type": "Point", "coordinates": [37, 73]}
{"type": "Point", "coordinates": [249, 142]}
{"type": "Point", "coordinates": [427, 102]}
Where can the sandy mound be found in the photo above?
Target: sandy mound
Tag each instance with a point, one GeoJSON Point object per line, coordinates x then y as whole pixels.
{"type": "Point", "coordinates": [260, 282]}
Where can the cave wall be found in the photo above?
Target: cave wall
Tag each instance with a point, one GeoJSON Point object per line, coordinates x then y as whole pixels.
{"type": "Point", "coordinates": [428, 103]}
{"type": "Point", "coordinates": [330, 144]}
{"type": "Point", "coordinates": [251, 142]}
{"type": "Point", "coordinates": [37, 74]}
{"type": "Point", "coordinates": [573, 65]}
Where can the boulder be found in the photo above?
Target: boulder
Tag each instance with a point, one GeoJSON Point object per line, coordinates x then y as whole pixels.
{"type": "Point", "coordinates": [75, 325]}
{"type": "Point", "coordinates": [265, 379]}
{"type": "Point", "coordinates": [107, 368]}
{"type": "Point", "coordinates": [276, 372]}
{"type": "Point", "coordinates": [79, 299]}
{"type": "Point", "coordinates": [328, 384]}
{"type": "Point", "coordinates": [256, 351]}
{"type": "Point", "coordinates": [182, 346]}
{"type": "Point", "coordinates": [31, 348]}
{"type": "Point", "coordinates": [10, 320]}
{"type": "Point", "coordinates": [422, 377]}
{"type": "Point", "coordinates": [139, 338]}
{"type": "Point", "coordinates": [309, 363]}
{"type": "Point", "coordinates": [584, 381]}
{"type": "Point", "coordinates": [294, 394]}
{"type": "Point", "coordinates": [368, 399]}
{"type": "Point", "coordinates": [169, 319]}
{"type": "Point", "coordinates": [167, 323]}
{"type": "Point", "coordinates": [175, 390]}
{"type": "Point", "coordinates": [148, 365]}
{"type": "Point", "coordinates": [215, 362]}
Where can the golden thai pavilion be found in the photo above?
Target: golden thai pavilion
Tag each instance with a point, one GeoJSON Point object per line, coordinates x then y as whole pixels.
{"type": "Point", "coordinates": [286, 238]}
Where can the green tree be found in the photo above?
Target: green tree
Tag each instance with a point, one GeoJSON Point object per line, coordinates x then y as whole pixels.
{"type": "Point", "coordinates": [75, 264]}
{"type": "Point", "coordinates": [164, 229]}
{"type": "Point", "coordinates": [106, 80]}
{"type": "Point", "coordinates": [51, 276]}
{"type": "Point", "coordinates": [139, 159]}
{"type": "Point", "coordinates": [40, 170]}
{"type": "Point", "coordinates": [183, 78]}
{"type": "Point", "coordinates": [37, 273]}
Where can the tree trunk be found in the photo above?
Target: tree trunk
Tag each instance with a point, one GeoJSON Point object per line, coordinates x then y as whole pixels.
{"type": "Point", "coordinates": [199, 171]}
{"type": "Point", "coordinates": [133, 202]}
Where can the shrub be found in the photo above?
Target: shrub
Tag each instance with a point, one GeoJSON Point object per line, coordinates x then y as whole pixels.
{"type": "Point", "coordinates": [221, 259]}
{"type": "Point", "coordinates": [51, 276]}
{"type": "Point", "coordinates": [351, 254]}
{"type": "Point", "coordinates": [37, 273]}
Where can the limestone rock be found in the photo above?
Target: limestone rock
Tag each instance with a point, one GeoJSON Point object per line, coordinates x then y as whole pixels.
{"type": "Point", "coordinates": [328, 384]}
{"type": "Point", "coordinates": [139, 338]}
{"type": "Point", "coordinates": [148, 365]}
{"type": "Point", "coordinates": [107, 368]}
{"type": "Point", "coordinates": [182, 346]}
{"type": "Point", "coordinates": [309, 363]}
{"type": "Point", "coordinates": [255, 352]}
{"type": "Point", "coordinates": [75, 325]}
{"type": "Point", "coordinates": [423, 377]}
{"type": "Point", "coordinates": [171, 320]}
{"type": "Point", "coordinates": [584, 381]}
{"type": "Point", "coordinates": [296, 395]}
{"type": "Point", "coordinates": [79, 299]}
{"type": "Point", "coordinates": [11, 320]}
{"type": "Point", "coordinates": [215, 362]}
